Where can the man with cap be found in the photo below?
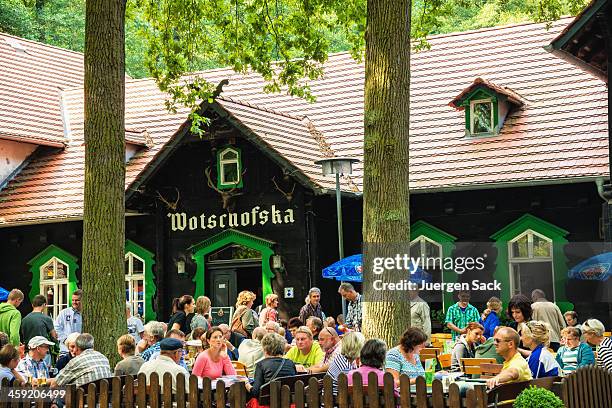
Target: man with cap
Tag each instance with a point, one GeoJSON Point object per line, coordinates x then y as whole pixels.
{"type": "Point", "coordinates": [171, 351]}
{"type": "Point", "coordinates": [33, 365]}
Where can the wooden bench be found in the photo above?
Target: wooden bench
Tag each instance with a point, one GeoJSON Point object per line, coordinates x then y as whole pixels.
{"type": "Point", "coordinates": [472, 366]}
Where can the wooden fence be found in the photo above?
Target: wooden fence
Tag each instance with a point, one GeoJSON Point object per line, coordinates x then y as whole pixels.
{"type": "Point", "coordinates": [587, 388]}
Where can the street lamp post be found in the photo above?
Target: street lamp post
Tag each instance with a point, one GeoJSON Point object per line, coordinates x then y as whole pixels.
{"type": "Point", "coordinates": [338, 166]}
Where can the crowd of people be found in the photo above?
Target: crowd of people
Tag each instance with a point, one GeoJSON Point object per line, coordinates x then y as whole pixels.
{"type": "Point", "coordinates": [271, 347]}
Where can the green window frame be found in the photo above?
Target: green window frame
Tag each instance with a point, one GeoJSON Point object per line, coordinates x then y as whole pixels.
{"type": "Point", "coordinates": [57, 289]}
{"type": "Point", "coordinates": [229, 168]}
{"type": "Point", "coordinates": [531, 226]}
{"type": "Point", "coordinates": [477, 97]}
{"type": "Point", "coordinates": [135, 252]}
{"type": "Point", "coordinates": [422, 230]}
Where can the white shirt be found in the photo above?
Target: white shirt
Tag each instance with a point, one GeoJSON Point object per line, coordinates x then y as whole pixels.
{"type": "Point", "coordinates": [162, 365]}
{"type": "Point", "coordinates": [250, 353]}
{"type": "Point", "coordinates": [68, 321]}
{"type": "Point", "coordinates": [135, 327]}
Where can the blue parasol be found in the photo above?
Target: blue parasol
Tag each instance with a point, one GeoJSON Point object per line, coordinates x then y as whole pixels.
{"type": "Point", "coordinates": [598, 267]}
{"type": "Point", "coordinates": [3, 294]}
{"type": "Point", "coordinates": [349, 269]}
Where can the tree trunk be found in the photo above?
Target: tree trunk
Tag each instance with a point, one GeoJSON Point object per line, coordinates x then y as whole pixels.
{"type": "Point", "coordinates": [104, 192]}
{"type": "Point", "coordinates": [386, 222]}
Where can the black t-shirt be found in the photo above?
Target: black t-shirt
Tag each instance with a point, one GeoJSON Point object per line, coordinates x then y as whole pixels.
{"type": "Point", "coordinates": [181, 319]}
{"type": "Point", "coordinates": [35, 324]}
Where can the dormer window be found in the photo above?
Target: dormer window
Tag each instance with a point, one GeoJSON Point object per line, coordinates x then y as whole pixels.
{"type": "Point", "coordinates": [229, 168]}
{"type": "Point", "coordinates": [486, 107]}
{"type": "Point", "coordinates": [481, 116]}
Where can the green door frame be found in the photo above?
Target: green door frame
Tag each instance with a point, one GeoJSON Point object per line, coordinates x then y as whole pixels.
{"type": "Point", "coordinates": [224, 238]}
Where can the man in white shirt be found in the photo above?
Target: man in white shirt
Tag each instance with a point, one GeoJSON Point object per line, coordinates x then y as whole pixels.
{"type": "Point", "coordinates": [69, 320]}
{"type": "Point", "coordinates": [251, 352]}
{"type": "Point", "coordinates": [171, 351]}
{"type": "Point", "coordinates": [419, 313]}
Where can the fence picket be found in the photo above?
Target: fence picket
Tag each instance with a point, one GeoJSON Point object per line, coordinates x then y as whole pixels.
{"type": "Point", "coordinates": [127, 390]}
{"type": "Point", "coordinates": [343, 397]}
{"type": "Point", "coordinates": [437, 394]}
{"type": "Point", "coordinates": [313, 393]}
{"type": "Point", "coordinates": [180, 391]}
{"type": "Point", "coordinates": [141, 397]}
{"type": "Point", "coordinates": [357, 394]}
{"type": "Point", "coordinates": [80, 398]}
{"type": "Point", "coordinates": [299, 395]}
{"type": "Point", "coordinates": [193, 391]}
{"type": "Point", "coordinates": [389, 390]}
{"type": "Point", "coordinates": [328, 392]}
{"type": "Point", "coordinates": [285, 396]}
{"type": "Point", "coordinates": [220, 393]}
{"type": "Point", "coordinates": [454, 396]}
{"type": "Point", "coordinates": [91, 395]}
{"type": "Point", "coordinates": [167, 390]}
{"type": "Point", "coordinates": [116, 391]}
{"type": "Point", "coordinates": [275, 388]}
{"type": "Point", "coordinates": [405, 396]}
{"type": "Point", "coordinates": [421, 392]}
{"type": "Point", "coordinates": [470, 399]}
{"type": "Point", "coordinates": [154, 396]}
{"type": "Point", "coordinates": [373, 391]}
{"type": "Point", "coordinates": [69, 397]}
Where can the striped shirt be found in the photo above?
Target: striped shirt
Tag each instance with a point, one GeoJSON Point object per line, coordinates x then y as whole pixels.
{"type": "Point", "coordinates": [396, 361]}
{"type": "Point", "coordinates": [339, 364]}
{"type": "Point", "coordinates": [461, 317]}
{"type": "Point", "coordinates": [570, 359]}
{"type": "Point", "coordinates": [88, 366]}
{"type": "Point", "coordinates": [604, 354]}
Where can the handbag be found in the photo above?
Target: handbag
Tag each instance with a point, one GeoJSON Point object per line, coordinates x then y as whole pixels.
{"type": "Point", "coordinates": [236, 325]}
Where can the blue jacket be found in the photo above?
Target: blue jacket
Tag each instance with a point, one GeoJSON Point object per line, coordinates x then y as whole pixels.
{"type": "Point", "coordinates": [542, 363]}
{"type": "Point", "coordinates": [490, 323]}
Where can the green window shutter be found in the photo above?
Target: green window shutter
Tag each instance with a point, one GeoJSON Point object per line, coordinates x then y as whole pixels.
{"type": "Point", "coordinates": [447, 241]}
{"type": "Point", "coordinates": [149, 279]}
{"type": "Point", "coordinates": [560, 263]}
{"type": "Point", "coordinates": [42, 258]}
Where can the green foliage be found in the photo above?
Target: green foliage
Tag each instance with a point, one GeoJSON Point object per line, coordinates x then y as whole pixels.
{"type": "Point", "coordinates": [440, 317]}
{"type": "Point", "coordinates": [536, 397]}
{"type": "Point", "coordinates": [17, 19]}
{"type": "Point", "coordinates": [283, 40]}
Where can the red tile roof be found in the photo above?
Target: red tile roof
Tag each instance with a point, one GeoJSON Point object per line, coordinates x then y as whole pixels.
{"type": "Point", "coordinates": [560, 133]}
{"type": "Point", "coordinates": [32, 75]}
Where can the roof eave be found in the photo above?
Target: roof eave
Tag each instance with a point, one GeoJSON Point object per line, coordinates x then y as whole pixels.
{"type": "Point", "coordinates": [572, 59]}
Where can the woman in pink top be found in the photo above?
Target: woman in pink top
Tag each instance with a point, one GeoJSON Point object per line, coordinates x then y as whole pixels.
{"type": "Point", "coordinates": [214, 362]}
{"type": "Point", "coordinates": [372, 359]}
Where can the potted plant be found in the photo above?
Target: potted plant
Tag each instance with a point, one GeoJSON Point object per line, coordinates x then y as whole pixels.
{"type": "Point", "coordinates": [537, 397]}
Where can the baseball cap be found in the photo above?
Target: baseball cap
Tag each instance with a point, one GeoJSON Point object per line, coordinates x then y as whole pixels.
{"type": "Point", "coordinates": [38, 341]}
{"type": "Point", "coordinates": [170, 344]}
